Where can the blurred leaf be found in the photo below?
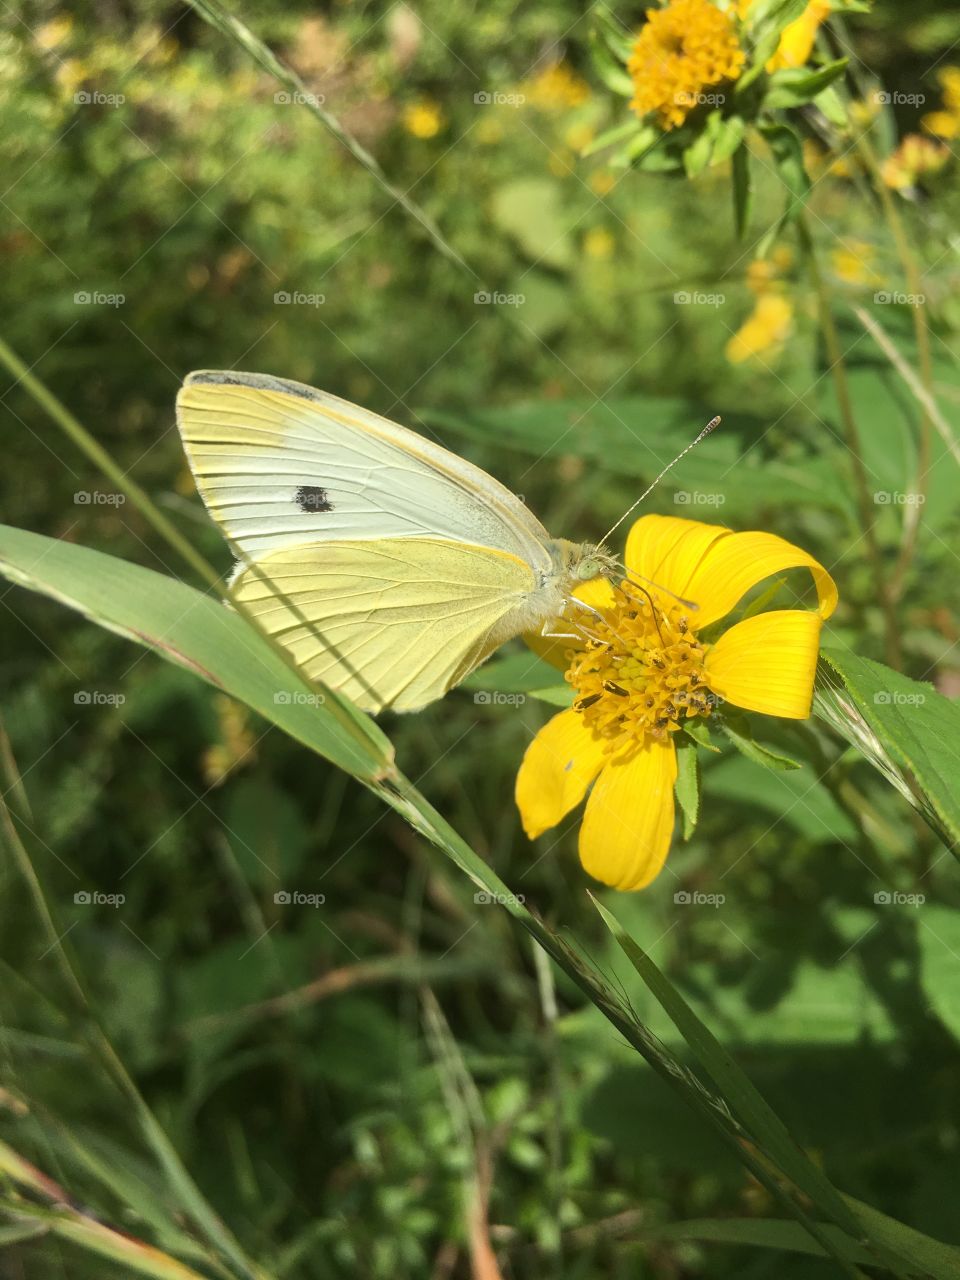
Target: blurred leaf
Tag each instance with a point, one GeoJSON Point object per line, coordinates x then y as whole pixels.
{"type": "Point", "coordinates": [742, 191]}
{"type": "Point", "coordinates": [688, 784]}
{"type": "Point", "coordinates": [796, 86]}
{"type": "Point", "coordinates": [795, 797]}
{"type": "Point", "coordinates": [938, 935]}
{"type": "Point", "coordinates": [530, 210]}
{"type": "Point", "coordinates": [755, 751]}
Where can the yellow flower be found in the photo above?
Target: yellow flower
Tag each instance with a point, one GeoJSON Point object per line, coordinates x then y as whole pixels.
{"type": "Point", "coordinates": [555, 88]}
{"type": "Point", "coordinates": [602, 182]}
{"type": "Point", "coordinates": [682, 49]}
{"type": "Point", "coordinates": [914, 158]}
{"type": "Point", "coordinates": [598, 243]}
{"type": "Point", "coordinates": [52, 34]}
{"type": "Point", "coordinates": [642, 670]}
{"type": "Point", "coordinates": [796, 40]}
{"type": "Point", "coordinates": [766, 329]}
{"type": "Point", "coordinates": [852, 263]}
{"type": "Point", "coordinates": [423, 119]}
{"type": "Point", "coordinates": [946, 122]}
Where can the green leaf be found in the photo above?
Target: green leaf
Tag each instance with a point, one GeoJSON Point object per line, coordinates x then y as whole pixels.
{"type": "Point", "coordinates": [787, 149]}
{"type": "Point", "coordinates": [748, 1105]}
{"type": "Point", "coordinates": [530, 211]}
{"type": "Point", "coordinates": [754, 751]}
{"type": "Point", "coordinates": [608, 67]}
{"type": "Point", "coordinates": [518, 672]}
{"type": "Point", "coordinates": [609, 137]}
{"type": "Point", "coordinates": [796, 86]}
{"type": "Point", "coordinates": [557, 695]}
{"type": "Point", "coordinates": [904, 727]}
{"type": "Point", "coordinates": [938, 937]}
{"type": "Point", "coordinates": [688, 784]}
{"type": "Point", "coordinates": [795, 797]}
{"type": "Point", "coordinates": [197, 632]}
{"type": "Point", "coordinates": [766, 19]}
{"type": "Point", "coordinates": [699, 731]}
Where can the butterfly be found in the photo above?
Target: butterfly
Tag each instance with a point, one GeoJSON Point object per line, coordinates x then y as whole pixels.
{"type": "Point", "coordinates": [389, 567]}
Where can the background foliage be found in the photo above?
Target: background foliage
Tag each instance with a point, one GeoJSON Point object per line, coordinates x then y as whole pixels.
{"type": "Point", "coordinates": [348, 1081]}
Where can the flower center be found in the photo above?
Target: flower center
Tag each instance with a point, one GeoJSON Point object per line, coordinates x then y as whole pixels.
{"type": "Point", "coordinates": [640, 672]}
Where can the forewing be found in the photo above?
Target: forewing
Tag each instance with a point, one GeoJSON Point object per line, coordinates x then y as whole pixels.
{"type": "Point", "coordinates": [280, 464]}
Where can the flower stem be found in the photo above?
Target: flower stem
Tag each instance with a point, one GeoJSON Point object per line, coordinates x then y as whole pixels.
{"type": "Point", "coordinates": [838, 371]}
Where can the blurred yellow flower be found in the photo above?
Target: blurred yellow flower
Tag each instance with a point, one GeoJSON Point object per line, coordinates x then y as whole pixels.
{"type": "Point", "coordinates": [763, 273]}
{"type": "Point", "coordinates": [579, 136]}
{"type": "Point", "coordinates": [555, 88]}
{"type": "Point", "coordinates": [852, 262]}
{"type": "Point", "coordinates": [640, 671]}
{"type": "Point", "coordinates": [914, 158]}
{"type": "Point", "coordinates": [423, 119]}
{"type": "Point", "coordinates": [796, 42]}
{"type": "Point", "coordinates": [489, 131]}
{"type": "Point", "coordinates": [764, 331]}
{"type": "Point", "coordinates": [50, 35]}
{"type": "Point", "coordinates": [945, 123]}
{"type": "Point", "coordinates": [602, 182]}
{"type": "Point", "coordinates": [682, 50]}
{"type": "Point", "coordinates": [599, 243]}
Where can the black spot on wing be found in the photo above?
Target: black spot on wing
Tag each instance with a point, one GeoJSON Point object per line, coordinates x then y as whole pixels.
{"type": "Point", "coordinates": [311, 498]}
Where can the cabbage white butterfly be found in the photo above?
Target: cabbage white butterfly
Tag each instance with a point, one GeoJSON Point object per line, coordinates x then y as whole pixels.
{"type": "Point", "coordinates": [387, 566]}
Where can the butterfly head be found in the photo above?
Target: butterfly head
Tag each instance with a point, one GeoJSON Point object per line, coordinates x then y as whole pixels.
{"type": "Point", "coordinates": [581, 561]}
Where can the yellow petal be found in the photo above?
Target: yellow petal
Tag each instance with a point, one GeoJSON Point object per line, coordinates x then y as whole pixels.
{"type": "Point", "coordinates": [559, 765]}
{"type": "Point", "coordinates": [628, 820]}
{"type": "Point", "coordinates": [715, 567]}
{"type": "Point", "coordinates": [767, 663]}
{"type": "Point", "coordinates": [555, 647]}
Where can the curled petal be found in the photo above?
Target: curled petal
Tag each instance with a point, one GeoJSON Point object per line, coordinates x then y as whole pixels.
{"type": "Point", "coordinates": [767, 663]}
{"type": "Point", "coordinates": [559, 764]}
{"type": "Point", "coordinates": [715, 567]}
{"type": "Point", "coordinates": [628, 822]}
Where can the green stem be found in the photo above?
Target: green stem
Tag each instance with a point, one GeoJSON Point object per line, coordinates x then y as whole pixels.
{"type": "Point", "coordinates": [838, 371]}
{"type": "Point", "coordinates": [100, 458]}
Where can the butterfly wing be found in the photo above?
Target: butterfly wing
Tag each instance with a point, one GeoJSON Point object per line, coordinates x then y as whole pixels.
{"type": "Point", "coordinates": [388, 566]}
{"type": "Point", "coordinates": [279, 464]}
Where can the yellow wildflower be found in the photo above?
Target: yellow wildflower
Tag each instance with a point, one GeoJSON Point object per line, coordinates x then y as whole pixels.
{"type": "Point", "coordinates": [602, 182]}
{"type": "Point", "coordinates": [641, 670]}
{"type": "Point", "coordinates": [682, 50]}
{"type": "Point", "coordinates": [579, 136]}
{"type": "Point", "coordinates": [423, 119]}
{"type": "Point", "coordinates": [52, 34]}
{"type": "Point", "coordinates": [945, 123]}
{"type": "Point", "coordinates": [555, 88]}
{"type": "Point", "coordinates": [914, 158]}
{"type": "Point", "coordinates": [763, 273]}
{"type": "Point", "coordinates": [852, 262]}
{"type": "Point", "coordinates": [598, 243]}
{"type": "Point", "coordinates": [766, 329]}
{"type": "Point", "coordinates": [797, 39]}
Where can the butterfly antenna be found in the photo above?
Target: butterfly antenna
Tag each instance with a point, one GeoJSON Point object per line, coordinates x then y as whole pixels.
{"type": "Point", "coordinates": [714, 422]}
